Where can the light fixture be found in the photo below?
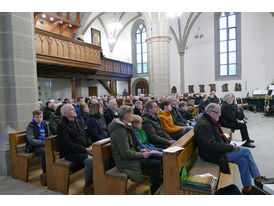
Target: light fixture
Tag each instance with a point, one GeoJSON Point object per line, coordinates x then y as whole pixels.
{"type": "Point", "coordinates": [114, 27]}
{"type": "Point", "coordinates": [70, 25]}
{"type": "Point", "coordinates": [44, 16]}
{"type": "Point", "coordinates": [61, 22]}
{"type": "Point", "coordinates": [51, 18]}
{"type": "Point", "coordinates": [198, 35]}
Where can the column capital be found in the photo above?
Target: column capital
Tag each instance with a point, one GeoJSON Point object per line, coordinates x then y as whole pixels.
{"type": "Point", "coordinates": [158, 39]}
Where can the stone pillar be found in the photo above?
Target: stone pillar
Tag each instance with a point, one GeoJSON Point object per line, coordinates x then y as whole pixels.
{"type": "Point", "coordinates": [78, 86]}
{"type": "Point", "coordinates": [182, 69]}
{"type": "Point", "coordinates": [158, 55]}
{"type": "Point", "coordinates": [18, 78]}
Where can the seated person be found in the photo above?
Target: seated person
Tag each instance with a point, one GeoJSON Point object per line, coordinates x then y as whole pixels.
{"type": "Point", "coordinates": [138, 109]}
{"type": "Point", "coordinates": [111, 112]}
{"type": "Point", "coordinates": [97, 126]}
{"type": "Point", "coordinates": [176, 114]}
{"type": "Point", "coordinates": [77, 106]}
{"type": "Point", "coordinates": [55, 120]}
{"type": "Point", "coordinates": [48, 111]}
{"type": "Point", "coordinates": [74, 145]}
{"type": "Point", "coordinates": [190, 101]}
{"type": "Point", "coordinates": [140, 134]}
{"type": "Point", "coordinates": [228, 119]}
{"type": "Point", "coordinates": [203, 104]}
{"type": "Point", "coordinates": [176, 132]}
{"type": "Point", "coordinates": [129, 158]}
{"type": "Point", "coordinates": [153, 127]}
{"type": "Point", "coordinates": [184, 110]}
{"type": "Point", "coordinates": [213, 98]}
{"type": "Point", "coordinates": [36, 133]}
{"type": "Point", "coordinates": [197, 99]}
{"type": "Point", "coordinates": [214, 147]}
{"type": "Point", "coordinates": [83, 115]}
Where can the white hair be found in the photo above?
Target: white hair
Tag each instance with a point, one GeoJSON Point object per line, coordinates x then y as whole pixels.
{"type": "Point", "coordinates": [52, 101]}
{"type": "Point", "coordinates": [227, 96]}
{"type": "Point", "coordinates": [211, 107]}
{"type": "Point", "coordinates": [65, 108]}
{"type": "Point", "coordinates": [112, 102]}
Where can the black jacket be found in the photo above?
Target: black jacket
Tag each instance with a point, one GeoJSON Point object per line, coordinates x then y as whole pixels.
{"type": "Point", "coordinates": [97, 128]}
{"type": "Point", "coordinates": [228, 118]}
{"type": "Point", "coordinates": [202, 106]}
{"type": "Point", "coordinates": [33, 136]}
{"type": "Point", "coordinates": [211, 146]}
{"type": "Point", "coordinates": [47, 114]}
{"type": "Point", "coordinates": [73, 140]}
{"type": "Point", "coordinates": [213, 100]}
{"type": "Point", "coordinates": [109, 116]}
{"type": "Point", "coordinates": [137, 111]}
{"type": "Point", "coordinates": [177, 117]}
{"type": "Point", "coordinates": [155, 131]}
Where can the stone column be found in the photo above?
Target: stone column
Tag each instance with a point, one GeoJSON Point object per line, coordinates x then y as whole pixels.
{"type": "Point", "coordinates": [18, 78]}
{"type": "Point", "coordinates": [78, 86]}
{"type": "Point", "coordinates": [158, 55]}
{"type": "Point", "coordinates": [182, 69]}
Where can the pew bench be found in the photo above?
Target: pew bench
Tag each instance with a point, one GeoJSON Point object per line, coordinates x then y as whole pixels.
{"type": "Point", "coordinates": [107, 180]}
{"type": "Point", "coordinates": [58, 169]}
{"type": "Point", "coordinates": [20, 159]}
{"type": "Point", "coordinates": [173, 162]}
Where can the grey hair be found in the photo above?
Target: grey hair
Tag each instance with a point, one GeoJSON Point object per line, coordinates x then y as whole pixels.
{"type": "Point", "coordinates": [124, 110]}
{"type": "Point", "coordinates": [138, 102]}
{"type": "Point", "coordinates": [65, 108]}
{"type": "Point", "coordinates": [227, 96]}
{"type": "Point", "coordinates": [112, 102]}
{"type": "Point", "coordinates": [211, 107]}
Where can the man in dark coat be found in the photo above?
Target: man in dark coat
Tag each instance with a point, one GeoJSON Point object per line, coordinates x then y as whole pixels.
{"type": "Point", "coordinates": [229, 120]}
{"type": "Point", "coordinates": [153, 128]}
{"type": "Point", "coordinates": [138, 109]}
{"type": "Point", "coordinates": [75, 146]}
{"type": "Point", "coordinates": [213, 146]}
{"type": "Point", "coordinates": [111, 112]}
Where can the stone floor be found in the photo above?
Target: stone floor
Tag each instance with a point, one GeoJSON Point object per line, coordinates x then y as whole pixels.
{"type": "Point", "coordinates": [260, 129]}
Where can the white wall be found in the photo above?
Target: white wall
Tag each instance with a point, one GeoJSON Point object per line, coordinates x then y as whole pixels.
{"type": "Point", "coordinates": [257, 54]}
{"type": "Point", "coordinates": [121, 85]}
{"type": "Point", "coordinates": [86, 84]}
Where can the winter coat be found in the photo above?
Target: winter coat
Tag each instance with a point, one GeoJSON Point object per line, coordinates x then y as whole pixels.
{"type": "Point", "coordinates": [48, 114]}
{"type": "Point", "coordinates": [177, 117]}
{"type": "Point", "coordinates": [33, 136]}
{"type": "Point", "coordinates": [167, 122]}
{"type": "Point", "coordinates": [124, 149]}
{"type": "Point", "coordinates": [97, 128]}
{"type": "Point", "coordinates": [137, 111]}
{"type": "Point", "coordinates": [202, 106]}
{"type": "Point", "coordinates": [228, 118]}
{"type": "Point", "coordinates": [109, 115]}
{"type": "Point", "coordinates": [142, 139]}
{"type": "Point", "coordinates": [53, 124]}
{"type": "Point", "coordinates": [211, 146]}
{"type": "Point", "coordinates": [73, 140]}
{"type": "Point", "coordinates": [155, 131]}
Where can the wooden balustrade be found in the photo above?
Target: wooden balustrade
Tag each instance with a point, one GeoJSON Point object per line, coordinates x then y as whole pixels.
{"type": "Point", "coordinates": [62, 48]}
{"type": "Point", "coordinates": [111, 65]}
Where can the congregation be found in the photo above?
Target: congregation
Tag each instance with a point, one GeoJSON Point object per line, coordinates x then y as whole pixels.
{"type": "Point", "coordinates": [140, 128]}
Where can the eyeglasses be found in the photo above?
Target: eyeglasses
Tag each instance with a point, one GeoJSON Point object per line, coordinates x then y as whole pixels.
{"type": "Point", "coordinates": [216, 112]}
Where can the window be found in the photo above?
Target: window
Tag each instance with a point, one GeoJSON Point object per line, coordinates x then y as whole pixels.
{"type": "Point", "coordinates": [141, 49]}
{"type": "Point", "coordinates": [227, 46]}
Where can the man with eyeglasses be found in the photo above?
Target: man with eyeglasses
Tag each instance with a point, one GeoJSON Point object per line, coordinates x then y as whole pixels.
{"type": "Point", "coordinates": [228, 119]}
{"type": "Point", "coordinates": [213, 146]}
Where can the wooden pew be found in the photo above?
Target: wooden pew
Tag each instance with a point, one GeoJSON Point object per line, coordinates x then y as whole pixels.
{"type": "Point", "coordinates": [58, 169]}
{"type": "Point", "coordinates": [173, 162]}
{"type": "Point", "coordinates": [19, 159]}
{"type": "Point", "coordinates": [107, 181]}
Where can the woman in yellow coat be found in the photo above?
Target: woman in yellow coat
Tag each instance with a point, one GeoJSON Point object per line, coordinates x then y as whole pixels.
{"type": "Point", "coordinates": [173, 130]}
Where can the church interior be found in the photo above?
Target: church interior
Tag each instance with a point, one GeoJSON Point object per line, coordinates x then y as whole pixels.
{"type": "Point", "coordinates": [134, 57]}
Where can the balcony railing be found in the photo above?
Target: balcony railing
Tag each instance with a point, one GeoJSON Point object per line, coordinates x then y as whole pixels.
{"type": "Point", "coordinates": [111, 65]}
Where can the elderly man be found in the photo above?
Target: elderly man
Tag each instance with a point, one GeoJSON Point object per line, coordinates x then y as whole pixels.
{"type": "Point", "coordinates": [153, 127]}
{"type": "Point", "coordinates": [129, 158]}
{"type": "Point", "coordinates": [75, 146]}
{"type": "Point", "coordinates": [228, 119]}
{"type": "Point", "coordinates": [214, 147]}
{"type": "Point", "coordinates": [111, 112]}
{"type": "Point", "coordinates": [138, 109]}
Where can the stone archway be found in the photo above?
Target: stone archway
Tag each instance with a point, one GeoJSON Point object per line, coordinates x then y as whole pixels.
{"type": "Point", "coordinates": [140, 84]}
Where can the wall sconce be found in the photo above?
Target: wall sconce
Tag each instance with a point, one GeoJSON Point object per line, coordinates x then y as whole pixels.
{"type": "Point", "coordinates": [198, 35]}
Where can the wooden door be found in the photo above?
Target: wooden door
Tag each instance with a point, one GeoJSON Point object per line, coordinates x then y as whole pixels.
{"type": "Point", "coordinates": [142, 86]}
{"type": "Point", "coordinates": [93, 91]}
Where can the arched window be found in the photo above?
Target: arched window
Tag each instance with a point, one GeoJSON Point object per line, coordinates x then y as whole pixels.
{"type": "Point", "coordinates": [227, 46]}
{"type": "Point", "coordinates": [141, 49]}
